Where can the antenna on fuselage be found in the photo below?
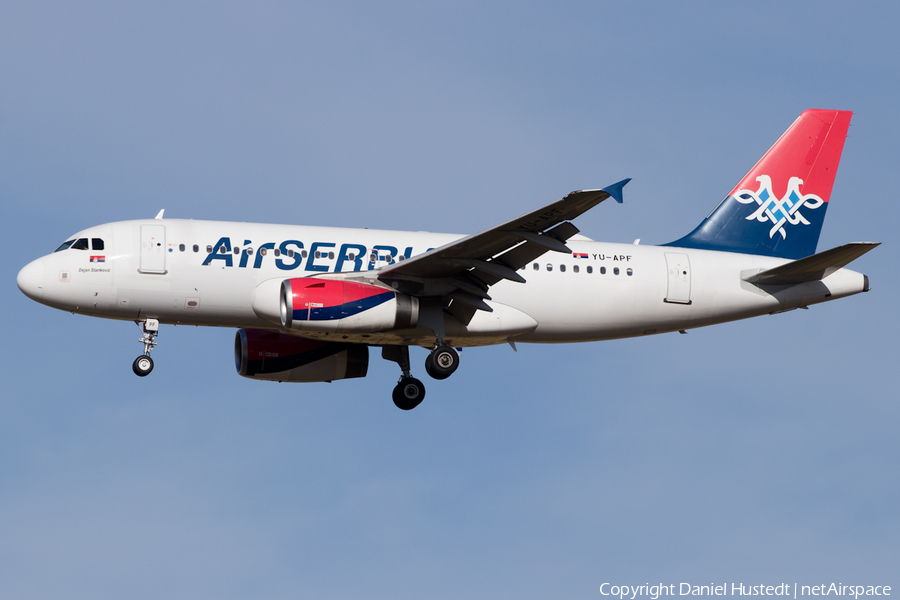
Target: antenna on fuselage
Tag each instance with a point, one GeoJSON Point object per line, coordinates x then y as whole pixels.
{"type": "Point", "coordinates": [159, 216]}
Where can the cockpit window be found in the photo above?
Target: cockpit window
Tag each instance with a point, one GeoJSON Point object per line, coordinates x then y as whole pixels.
{"type": "Point", "coordinates": [65, 245]}
{"type": "Point", "coordinates": [96, 244]}
{"type": "Point", "coordinates": [80, 244]}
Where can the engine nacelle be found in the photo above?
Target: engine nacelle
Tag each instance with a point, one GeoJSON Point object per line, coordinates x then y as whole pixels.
{"type": "Point", "coordinates": [336, 305]}
{"type": "Point", "coordinates": [261, 354]}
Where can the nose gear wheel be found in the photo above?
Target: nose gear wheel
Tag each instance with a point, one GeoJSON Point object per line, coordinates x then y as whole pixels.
{"type": "Point", "coordinates": [143, 364]}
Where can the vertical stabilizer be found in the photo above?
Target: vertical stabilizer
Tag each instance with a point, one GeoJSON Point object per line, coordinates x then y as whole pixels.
{"type": "Point", "coordinates": [778, 208]}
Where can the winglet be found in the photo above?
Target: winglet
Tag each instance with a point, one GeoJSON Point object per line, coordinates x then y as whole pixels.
{"type": "Point", "coordinates": [615, 190]}
{"type": "Point", "coordinates": [160, 215]}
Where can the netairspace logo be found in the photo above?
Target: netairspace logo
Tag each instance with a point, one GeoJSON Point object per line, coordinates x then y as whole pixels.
{"type": "Point", "coordinates": [654, 592]}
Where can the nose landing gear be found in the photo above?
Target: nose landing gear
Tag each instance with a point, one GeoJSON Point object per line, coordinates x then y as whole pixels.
{"type": "Point", "coordinates": [143, 364]}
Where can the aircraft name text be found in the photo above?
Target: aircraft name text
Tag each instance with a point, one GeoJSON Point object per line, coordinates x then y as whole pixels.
{"type": "Point", "coordinates": [291, 254]}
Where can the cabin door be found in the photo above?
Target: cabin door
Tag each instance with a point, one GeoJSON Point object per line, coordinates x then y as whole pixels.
{"type": "Point", "coordinates": [679, 273]}
{"type": "Point", "coordinates": [153, 249]}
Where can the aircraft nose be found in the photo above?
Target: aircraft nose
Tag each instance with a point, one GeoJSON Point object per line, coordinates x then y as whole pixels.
{"type": "Point", "coordinates": [31, 280]}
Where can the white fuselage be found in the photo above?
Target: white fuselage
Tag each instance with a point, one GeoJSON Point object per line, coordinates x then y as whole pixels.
{"type": "Point", "coordinates": [187, 272]}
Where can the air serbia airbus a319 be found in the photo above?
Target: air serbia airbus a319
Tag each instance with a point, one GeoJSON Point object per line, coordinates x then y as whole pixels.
{"type": "Point", "coordinates": [310, 302]}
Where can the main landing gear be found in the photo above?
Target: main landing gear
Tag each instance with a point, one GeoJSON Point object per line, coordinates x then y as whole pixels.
{"type": "Point", "coordinates": [440, 364]}
{"type": "Point", "coordinates": [143, 364]}
{"type": "Point", "coordinates": [409, 391]}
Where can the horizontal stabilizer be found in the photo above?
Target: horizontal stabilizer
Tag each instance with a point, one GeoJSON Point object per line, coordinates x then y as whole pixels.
{"type": "Point", "coordinates": [812, 268]}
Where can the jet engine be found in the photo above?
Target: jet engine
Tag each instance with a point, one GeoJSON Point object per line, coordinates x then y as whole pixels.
{"type": "Point", "coordinates": [335, 305]}
{"type": "Point", "coordinates": [261, 354]}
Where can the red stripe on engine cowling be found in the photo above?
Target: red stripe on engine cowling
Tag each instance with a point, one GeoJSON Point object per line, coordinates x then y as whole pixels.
{"type": "Point", "coordinates": [328, 292]}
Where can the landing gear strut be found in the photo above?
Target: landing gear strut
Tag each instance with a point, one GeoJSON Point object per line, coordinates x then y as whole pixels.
{"type": "Point", "coordinates": [143, 364]}
{"type": "Point", "coordinates": [409, 392]}
{"type": "Point", "coordinates": [442, 361]}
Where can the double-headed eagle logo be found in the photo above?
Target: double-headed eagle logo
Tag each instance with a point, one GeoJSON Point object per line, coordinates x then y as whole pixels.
{"type": "Point", "coordinates": [778, 212]}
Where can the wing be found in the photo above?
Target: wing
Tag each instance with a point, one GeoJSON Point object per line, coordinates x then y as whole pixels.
{"type": "Point", "coordinates": [462, 271]}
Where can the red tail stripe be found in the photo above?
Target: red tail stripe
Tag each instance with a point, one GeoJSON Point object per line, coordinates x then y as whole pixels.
{"type": "Point", "coordinates": [810, 149]}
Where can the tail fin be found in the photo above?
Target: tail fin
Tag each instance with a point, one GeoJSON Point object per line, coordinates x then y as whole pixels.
{"type": "Point", "coordinates": [767, 213]}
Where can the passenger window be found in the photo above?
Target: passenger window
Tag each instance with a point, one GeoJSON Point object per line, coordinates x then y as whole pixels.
{"type": "Point", "coordinates": [303, 254]}
{"type": "Point", "coordinates": [181, 247]}
{"type": "Point", "coordinates": [277, 252]}
{"type": "Point", "coordinates": [351, 256]}
{"type": "Point", "coordinates": [549, 267]}
{"type": "Point", "coordinates": [318, 254]}
{"type": "Point", "coordinates": [615, 270]}
{"type": "Point", "coordinates": [331, 255]}
{"type": "Point", "coordinates": [290, 253]}
{"type": "Point", "coordinates": [537, 267]}
{"type": "Point", "coordinates": [401, 257]}
{"type": "Point", "coordinates": [196, 248]}
{"type": "Point", "coordinates": [562, 268]}
{"type": "Point", "coordinates": [65, 245]}
{"type": "Point", "coordinates": [590, 270]}
{"type": "Point", "coordinates": [574, 268]}
{"type": "Point", "coordinates": [209, 249]}
{"type": "Point", "coordinates": [630, 272]}
{"type": "Point", "coordinates": [237, 250]}
{"type": "Point", "coordinates": [603, 270]}
{"type": "Point", "coordinates": [96, 243]}
{"type": "Point", "coordinates": [249, 251]}
{"type": "Point", "coordinates": [81, 244]}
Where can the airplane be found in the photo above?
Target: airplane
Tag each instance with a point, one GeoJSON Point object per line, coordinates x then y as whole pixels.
{"type": "Point", "coordinates": [309, 302]}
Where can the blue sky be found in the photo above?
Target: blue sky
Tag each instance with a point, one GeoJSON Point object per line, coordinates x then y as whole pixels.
{"type": "Point", "coordinates": [759, 451]}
